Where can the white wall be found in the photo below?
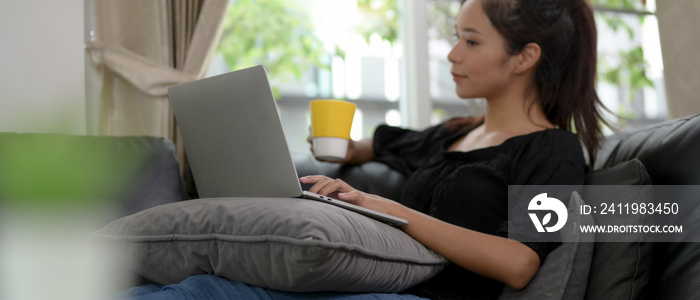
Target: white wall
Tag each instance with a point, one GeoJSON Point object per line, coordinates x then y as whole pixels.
{"type": "Point", "coordinates": [42, 81]}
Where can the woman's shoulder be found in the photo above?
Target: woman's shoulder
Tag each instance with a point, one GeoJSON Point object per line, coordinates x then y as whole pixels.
{"type": "Point", "coordinates": [552, 156]}
{"type": "Point", "coordinates": [551, 143]}
{"type": "Point", "coordinates": [560, 139]}
{"type": "Point", "coordinates": [552, 138]}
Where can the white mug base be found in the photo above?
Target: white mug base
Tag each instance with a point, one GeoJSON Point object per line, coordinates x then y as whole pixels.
{"type": "Point", "coordinates": [330, 148]}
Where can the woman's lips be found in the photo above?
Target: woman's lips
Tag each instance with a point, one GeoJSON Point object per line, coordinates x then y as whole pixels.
{"type": "Point", "coordinates": [456, 77]}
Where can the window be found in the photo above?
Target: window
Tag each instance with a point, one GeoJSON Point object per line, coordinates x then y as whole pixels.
{"type": "Point", "coordinates": [362, 50]}
{"type": "Point", "coordinates": [630, 80]}
{"type": "Point", "coordinates": [630, 67]}
{"type": "Point", "coordinates": [358, 58]}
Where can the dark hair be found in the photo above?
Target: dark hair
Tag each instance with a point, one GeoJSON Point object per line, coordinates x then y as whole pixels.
{"type": "Point", "coordinates": [565, 74]}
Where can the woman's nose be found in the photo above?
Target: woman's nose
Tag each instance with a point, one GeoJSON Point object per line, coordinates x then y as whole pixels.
{"type": "Point", "coordinates": [452, 55]}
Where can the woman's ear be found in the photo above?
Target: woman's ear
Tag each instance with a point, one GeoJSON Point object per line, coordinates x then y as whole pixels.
{"type": "Point", "coordinates": [528, 58]}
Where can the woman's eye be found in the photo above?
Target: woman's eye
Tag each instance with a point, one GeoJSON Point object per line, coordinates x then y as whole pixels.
{"type": "Point", "coordinates": [471, 43]}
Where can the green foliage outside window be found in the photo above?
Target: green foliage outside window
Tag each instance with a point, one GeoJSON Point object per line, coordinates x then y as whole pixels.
{"type": "Point", "coordinates": [626, 68]}
{"type": "Point", "coordinates": [277, 34]}
{"type": "Point", "coordinates": [443, 16]}
{"type": "Point", "coordinates": [380, 17]}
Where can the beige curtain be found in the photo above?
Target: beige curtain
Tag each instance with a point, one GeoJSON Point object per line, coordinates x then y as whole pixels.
{"type": "Point", "coordinates": [679, 22]}
{"type": "Point", "coordinates": [144, 46]}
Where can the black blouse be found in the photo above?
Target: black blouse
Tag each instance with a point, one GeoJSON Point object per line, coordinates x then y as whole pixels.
{"type": "Point", "coordinates": [470, 189]}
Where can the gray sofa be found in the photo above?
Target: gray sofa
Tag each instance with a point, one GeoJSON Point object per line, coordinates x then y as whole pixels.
{"type": "Point", "coordinates": [138, 173]}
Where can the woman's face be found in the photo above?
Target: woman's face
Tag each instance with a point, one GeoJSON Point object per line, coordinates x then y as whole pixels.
{"type": "Point", "coordinates": [480, 65]}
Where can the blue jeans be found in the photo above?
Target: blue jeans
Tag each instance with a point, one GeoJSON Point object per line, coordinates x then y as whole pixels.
{"type": "Point", "coordinates": [211, 287]}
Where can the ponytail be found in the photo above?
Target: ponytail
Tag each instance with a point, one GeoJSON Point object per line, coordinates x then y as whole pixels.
{"type": "Point", "coordinates": [565, 75]}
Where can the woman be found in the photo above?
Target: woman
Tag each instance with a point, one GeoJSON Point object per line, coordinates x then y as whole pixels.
{"type": "Point", "coordinates": [534, 62]}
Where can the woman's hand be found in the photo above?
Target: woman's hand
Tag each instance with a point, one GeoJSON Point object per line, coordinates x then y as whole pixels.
{"type": "Point", "coordinates": [358, 151]}
{"type": "Point", "coordinates": [339, 189]}
{"type": "Point", "coordinates": [326, 186]}
{"type": "Point", "coordinates": [348, 156]}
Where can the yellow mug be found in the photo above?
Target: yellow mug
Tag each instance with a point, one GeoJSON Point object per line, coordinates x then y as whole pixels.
{"type": "Point", "coordinates": [331, 121]}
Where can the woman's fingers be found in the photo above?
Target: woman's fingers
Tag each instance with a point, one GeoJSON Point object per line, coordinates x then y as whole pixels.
{"type": "Point", "coordinates": [334, 187]}
{"type": "Point", "coordinates": [318, 182]}
{"type": "Point", "coordinates": [339, 189]}
{"type": "Point", "coordinates": [326, 186]}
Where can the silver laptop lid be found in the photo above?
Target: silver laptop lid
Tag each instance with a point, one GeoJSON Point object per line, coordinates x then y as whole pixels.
{"type": "Point", "coordinates": [233, 136]}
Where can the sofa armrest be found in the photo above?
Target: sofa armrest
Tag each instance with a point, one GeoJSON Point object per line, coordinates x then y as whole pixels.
{"type": "Point", "coordinates": [157, 180]}
{"type": "Point", "coordinates": [129, 173]}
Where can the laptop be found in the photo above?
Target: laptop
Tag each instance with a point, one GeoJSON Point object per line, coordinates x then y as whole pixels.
{"type": "Point", "coordinates": [235, 142]}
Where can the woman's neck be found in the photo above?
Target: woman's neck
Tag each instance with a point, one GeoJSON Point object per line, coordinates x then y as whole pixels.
{"type": "Point", "coordinates": [515, 116]}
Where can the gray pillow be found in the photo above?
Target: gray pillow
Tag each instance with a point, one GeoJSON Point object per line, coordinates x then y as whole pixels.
{"type": "Point", "coordinates": [621, 270]}
{"type": "Point", "coordinates": [278, 243]}
{"type": "Point", "coordinates": [564, 273]}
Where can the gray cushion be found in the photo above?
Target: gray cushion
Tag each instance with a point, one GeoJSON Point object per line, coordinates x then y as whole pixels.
{"type": "Point", "coordinates": [620, 270]}
{"type": "Point", "coordinates": [564, 273]}
{"type": "Point", "coordinates": [279, 243]}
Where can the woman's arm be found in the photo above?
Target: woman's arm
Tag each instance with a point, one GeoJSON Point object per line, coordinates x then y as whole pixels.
{"type": "Point", "coordinates": [495, 257]}
{"type": "Point", "coordinates": [360, 152]}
